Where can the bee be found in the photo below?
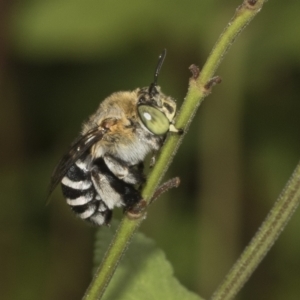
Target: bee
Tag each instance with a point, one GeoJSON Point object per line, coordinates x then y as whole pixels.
{"type": "Point", "coordinates": [104, 165]}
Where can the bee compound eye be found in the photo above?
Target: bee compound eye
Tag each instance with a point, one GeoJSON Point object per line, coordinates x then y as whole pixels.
{"type": "Point", "coordinates": [154, 119]}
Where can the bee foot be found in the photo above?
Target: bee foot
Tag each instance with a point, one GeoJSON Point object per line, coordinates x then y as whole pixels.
{"type": "Point", "coordinates": [137, 211]}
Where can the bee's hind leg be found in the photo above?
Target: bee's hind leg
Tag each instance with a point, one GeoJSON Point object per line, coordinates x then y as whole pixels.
{"type": "Point", "coordinates": [128, 174]}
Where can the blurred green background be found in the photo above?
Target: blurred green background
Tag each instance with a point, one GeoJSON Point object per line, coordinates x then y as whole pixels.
{"type": "Point", "coordinates": [59, 59]}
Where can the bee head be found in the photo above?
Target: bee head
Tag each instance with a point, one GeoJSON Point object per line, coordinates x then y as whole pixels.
{"type": "Point", "coordinates": [155, 109]}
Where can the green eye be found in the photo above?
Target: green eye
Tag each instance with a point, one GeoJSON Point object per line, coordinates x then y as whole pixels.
{"type": "Point", "coordinates": [154, 119]}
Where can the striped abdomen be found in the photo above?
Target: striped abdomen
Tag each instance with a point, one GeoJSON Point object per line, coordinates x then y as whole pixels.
{"type": "Point", "coordinates": [92, 192]}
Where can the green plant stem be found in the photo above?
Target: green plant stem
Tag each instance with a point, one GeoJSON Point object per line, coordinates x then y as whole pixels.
{"type": "Point", "coordinates": [199, 88]}
{"type": "Point", "coordinates": [275, 222]}
{"type": "Point", "coordinates": [112, 257]}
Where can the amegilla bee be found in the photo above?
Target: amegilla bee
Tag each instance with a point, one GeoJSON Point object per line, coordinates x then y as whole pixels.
{"type": "Point", "coordinates": [104, 165]}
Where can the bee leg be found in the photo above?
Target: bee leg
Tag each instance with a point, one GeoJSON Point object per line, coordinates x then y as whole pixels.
{"type": "Point", "coordinates": [107, 217]}
{"type": "Point", "coordinates": [137, 211]}
{"type": "Point", "coordinates": [140, 166]}
{"type": "Point", "coordinates": [128, 174]}
{"type": "Point", "coordinates": [101, 218]}
{"type": "Point", "coordinates": [173, 129]}
{"type": "Point", "coordinates": [153, 159]}
{"type": "Point", "coordinates": [106, 185]}
{"type": "Point", "coordinates": [112, 190]}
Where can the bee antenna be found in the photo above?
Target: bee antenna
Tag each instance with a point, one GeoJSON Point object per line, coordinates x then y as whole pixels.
{"type": "Point", "coordinates": [161, 59]}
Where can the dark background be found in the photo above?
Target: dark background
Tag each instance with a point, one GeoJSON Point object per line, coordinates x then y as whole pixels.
{"type": "Point", "coordinates": [59, 59]}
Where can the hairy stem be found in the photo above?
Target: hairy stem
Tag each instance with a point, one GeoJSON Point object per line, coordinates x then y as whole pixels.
{"type": "Point", "coordinates": [112, 257]}
{"type": "Point", "coordinates": [199, 88]}
{"type": "Point", "coordinates": [273, 225]}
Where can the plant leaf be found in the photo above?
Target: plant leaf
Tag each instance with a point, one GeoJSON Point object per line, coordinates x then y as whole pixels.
{"type": "Point", "coordinates": [144, 272]}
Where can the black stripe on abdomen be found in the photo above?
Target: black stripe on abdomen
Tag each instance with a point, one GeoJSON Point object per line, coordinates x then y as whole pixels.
{"type": "Point", "coordinates": [71, 193]}
{"type": "Point", "coordinates": [76, 174]}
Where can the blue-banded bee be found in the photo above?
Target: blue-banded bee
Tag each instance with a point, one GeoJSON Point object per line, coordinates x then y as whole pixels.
{"type": "Point", "coordinates": [104, 165]}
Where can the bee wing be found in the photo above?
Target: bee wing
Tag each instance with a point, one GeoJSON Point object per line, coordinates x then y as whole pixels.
{"type": "Point", "coordinates": [77, 149]}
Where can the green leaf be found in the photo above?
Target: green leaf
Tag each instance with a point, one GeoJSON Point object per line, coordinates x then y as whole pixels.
{"type": "Point", "coordinates": [144, 272]}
